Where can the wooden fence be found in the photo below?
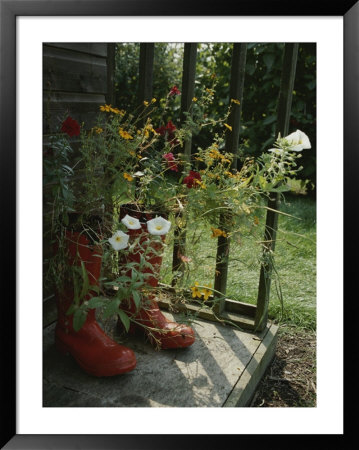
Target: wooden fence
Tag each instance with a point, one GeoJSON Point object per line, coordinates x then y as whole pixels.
{"type": "Point", "coordinates": [253, 317]}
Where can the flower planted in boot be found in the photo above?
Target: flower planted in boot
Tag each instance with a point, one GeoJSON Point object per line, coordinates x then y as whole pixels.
{"type": "Point", "coordinates": [93, 350]}
{"type": "Point", "coordinates": [144, 312]}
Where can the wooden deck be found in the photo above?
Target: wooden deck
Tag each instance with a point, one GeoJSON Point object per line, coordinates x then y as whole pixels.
{"type": "Point", "coordinates": [221, 369]}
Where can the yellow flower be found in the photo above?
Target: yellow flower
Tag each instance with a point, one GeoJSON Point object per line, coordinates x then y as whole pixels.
{"type": "Point", "coordinates": [216, 232]}
{"type": "Point", "coordinates": [153, 100]}
{"type": "Point", "coordinates": [145, 103]}
{"type": "Point", "coordinates": [98, 130]}
{"type": "Point", "coordinates": [109, 108]}
{"type": "Point", "coordinates": [201, 184]}
{"type": "Point", "coordinates": [206, 292]}
{"type": "Point", "coordinates": [194, 99]}
{"type": "Point", "coordinates": [228, 126]}
{"type": "Point", "coordinates": [210, 91]}
{"type": "Point", "coordinates": [124, 134]}
{"type": "Point", "coordinates": [195, 291]}
{"type": "Point", "coordinates": [115, 110]}
{"type": "Point", "coordinates": [105, 108]}
{"type": "Point", "coordinates": [127, 176]}
{"type": "Point", "coordinates": [237, 102]}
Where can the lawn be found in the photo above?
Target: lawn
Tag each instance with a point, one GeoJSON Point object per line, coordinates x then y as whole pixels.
{"type": "Point", "coordinates": [295, 262]}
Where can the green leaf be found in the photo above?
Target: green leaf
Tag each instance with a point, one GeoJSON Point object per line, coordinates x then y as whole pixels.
{"type": "Point", "coordinates": [95, 302]}
{"type": "Point", "coordinates": [79, 319]}
{"type": "Point", "coordinates": [123, 278]}
{"type": "Point", "coordinates": [124, 319]}
{"type": "Point", "coordinates": [270, 119]}
{"type": "Point", "coordinates": [136, 298]}
{"type": "Point", "coordinates": [70, 310]}
{"type": "Point", "coordinates": [112, 308]}
{"type": "Point", "coordinates": [268, 59]}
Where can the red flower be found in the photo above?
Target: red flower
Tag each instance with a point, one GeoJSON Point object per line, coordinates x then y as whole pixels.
{"type": "Point", "coordinates": [171, 161]}
{"type": "Point", "coordinates": [191, 179]}
{"type": "Point", "coordinates": [71, 127]}
{"type": "Point", "coordinates": [174, 91]}
{"type": "Point", "coordinates": [168, 129]}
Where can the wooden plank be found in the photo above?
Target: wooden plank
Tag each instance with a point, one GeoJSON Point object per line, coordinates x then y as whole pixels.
{"type": "Point", "coordinates": [232, 141]}
{"type": "Point", "coordinates": [203, 312]}
{"type": "Point", "coordinates": [283, 115]}
{"type": "Point", "coordinates": [188, 83]}
{"type": "Point", "coordinates": [81, 106]}
{"type": "Point", "coordinates": [239, 307]}
{"type": "Point", "coordinates": [247, 383]}
{"type": "Point", "coordinates": [64, 70]}
{"type": "Point", "coordinates": [187, 93]}
{"type": "Point", "coordinates": [236, 92]}
{"type": "Point", "coordinates": [147, 51]}
{"type": "Point", "coordinates": [235, 306]}
{"type": "Point", "coordinates": [110, 95]}
{"type": "Point", "coordinates": [92, 48]}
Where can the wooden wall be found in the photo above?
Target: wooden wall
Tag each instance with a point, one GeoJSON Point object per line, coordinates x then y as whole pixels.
{"type": "Point", "coordinates": [77, 79]}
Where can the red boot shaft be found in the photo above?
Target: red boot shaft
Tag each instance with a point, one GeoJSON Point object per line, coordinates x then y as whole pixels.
{"type": "Point", "coordinates": [93, 350]}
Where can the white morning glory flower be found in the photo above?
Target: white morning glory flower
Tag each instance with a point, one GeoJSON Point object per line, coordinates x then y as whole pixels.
{"type": "Point", "coordinates": [119, 240]}
{"type": "Point", "coordinates": [298, 141]}
{"type": "Point", "coordinates": [131, 222]}
{"type": "Point", "coordinates": [158, 226]}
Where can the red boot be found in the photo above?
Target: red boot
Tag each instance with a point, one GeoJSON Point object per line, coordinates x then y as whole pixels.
{"type": "Point", "coordinates": [93, 350]}
{"type": "Point", "coordinates": [163, 333]}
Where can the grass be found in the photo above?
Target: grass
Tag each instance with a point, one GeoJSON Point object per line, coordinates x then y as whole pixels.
{"type": "Point", "coordinates": [295, 263]}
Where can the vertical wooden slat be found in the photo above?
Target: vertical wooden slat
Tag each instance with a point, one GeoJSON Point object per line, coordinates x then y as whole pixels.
{"type": "Point", "coordinates": [282, 125]}
{"type": "Point", "coordinates": [232, 140]}
{"type": "Point", "coordinates": [147, 51]}
{"type": "Point", "coordinates": [187, 93]}
{"type": "Point", "coordinates": [110, 95]}
{"type": "Point", "coordinates": [188, 82]}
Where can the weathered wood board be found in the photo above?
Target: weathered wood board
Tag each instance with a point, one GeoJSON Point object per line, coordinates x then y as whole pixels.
{"type": "Point", "coordinates": [221, 369]}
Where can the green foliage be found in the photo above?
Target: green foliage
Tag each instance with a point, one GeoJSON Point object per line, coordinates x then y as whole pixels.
{"type": "Point", "coordinates": [123, 159]}
{"type": "Point", "coordinates": [167, 72]}
{"type": "Point", "coordinates": [295, 261]}
{"type": "Point", "coordinates": [261, 89]}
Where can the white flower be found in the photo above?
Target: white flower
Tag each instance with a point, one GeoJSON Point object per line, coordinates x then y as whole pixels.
{"type": "Point", "coordinates": [131, 222]}
{"type": "Point", "coordinates": [298, 141]}
{"type": "Point", "coordinates": [158, 226]}
{"type": "Point", "coordinates": [119, 240]}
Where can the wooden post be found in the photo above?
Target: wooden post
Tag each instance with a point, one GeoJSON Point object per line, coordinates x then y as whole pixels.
{"type": "Point", "coordinates": [147, 51]}
{"type": "Point", "coordinates": [110, 95]}
{"type": "Point", "coordinates": [232, 140]}
{"type": "Point", "coordinates": [282, 126]}
{"type": "Point", "coordinates": [187, 93]}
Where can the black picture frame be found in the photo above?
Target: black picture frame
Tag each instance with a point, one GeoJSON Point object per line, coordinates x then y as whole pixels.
{"type": "Point", "coordinates": [9, 10]}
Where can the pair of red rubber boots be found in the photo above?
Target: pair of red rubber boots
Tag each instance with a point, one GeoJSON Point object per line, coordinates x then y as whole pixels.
{"type": "Point", "coordinates": [91, 347]}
